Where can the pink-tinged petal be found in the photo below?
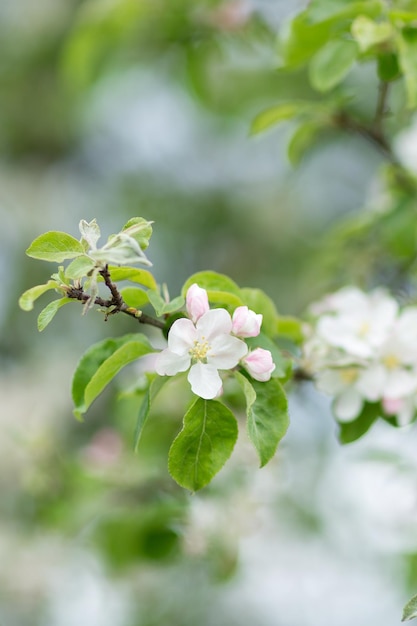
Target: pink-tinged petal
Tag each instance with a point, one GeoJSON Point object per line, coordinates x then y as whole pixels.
{"type": "Point", "coordinates": [348, 405]}
{"type": "Point", "coordinates": [196, 302]}
{"type": "Point", "coordinates": [400, 383]}
{"type": "Point", "coordinates": [181, 336]}
{"type": "Point", "coordinates": [259, 364]}
{"type": "Point", "coordinates": [214, 322]}
{"type": "Point", "coordinates": [169, 363]}
{"type": "Point", "coordinates": [205, 381]}
{"type": "Point", "coordinates": [246, 323]}
{"type": "Point", "coordinates": [392, 406]}
{"type": "Point", "coordinates": [226, 351]}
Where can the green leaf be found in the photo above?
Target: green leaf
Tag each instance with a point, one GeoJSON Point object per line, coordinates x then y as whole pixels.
{"type": "Point", "coordinates": [325, 10]}
{"type": "Point", "coordinates": [91, 369]}
{"type": "Point", "coordinates": [27, 298]}
{"type": "Point", "coordinates": [369, 33]}
{"type": "Point", "coordinates": [55, 246]}
{"type": "Point", "coordinates": [267, 411]}
{"type": "Point", "coordinates": [154, 388]}
{"type": "Point", "coordinates": [79, 267]}
{"type": "Point", "coordinates": [277, 114]}
{"type": "Point", "coordinates": [407, 49]}
{"type": "Point", "coordinates": [291, 328]}
{"type": "Point", "coordinates": [351, 431]}
{"type": "Point", "coordinates": [48, 313]}
{"type": "Point", "coordinates": [388, 67]}
{"type": "Point", "coordinates": [142, 277]}
{"type": "Point", "coordinates": [331, 64]}
{"type": "Point", "coordinates": [211, 281]}
{"type": "Point", "coordinates": [220, 289]}
{"type": "Point", "coordinates": [302, 139]}
{"type": "Point", "coordinates": [410, 609]}
{"type": "Point", "coordinates": [204, 444]}
{"type": "Point", "coordinates": [258, 301]}
{"type": "Point", "coordinates": [164, 308]}
{"type": "Point", "coordinates": [134, 296]}
{"type": "Point", "coordinates": [140, 229]}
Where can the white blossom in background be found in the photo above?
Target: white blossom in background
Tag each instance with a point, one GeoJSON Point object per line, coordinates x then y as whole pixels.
{"type": "Point", "coordinates": [361, 348]}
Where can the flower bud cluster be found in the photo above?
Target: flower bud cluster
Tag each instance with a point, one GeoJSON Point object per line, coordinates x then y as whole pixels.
{"type": "Point", "coordinates": [363, 348]}
{"type": "Point", "coordinates": [212, 340]}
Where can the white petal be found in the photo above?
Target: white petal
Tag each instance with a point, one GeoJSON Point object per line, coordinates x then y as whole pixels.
{"type": "Point", "coordinates": [181, 336]}
{"type": "Point", "coordinates": [169, 363]}
{"type": "Point", "coordinates": [330, 382]}
{"type": "Point", "coordinates": [214, 322]}
{"type": "Point", "coordinates": [400, 383]}
{"type": "Point", "coordinates": [226, 352]}
{"type": "Point", "coordinates": [371, 383]}
{"type": "Point", "coordinates": [205, 381]}
{"type": "Point", "coordinates": [348, 405]}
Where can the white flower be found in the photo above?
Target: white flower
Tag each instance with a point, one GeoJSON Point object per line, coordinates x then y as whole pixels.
{"type": "Point", "coordinates": [351, 386]}
{"type": "Point", "coordinates": [361, 323]}
{"type": "Point", "coordinates": [206, 346]}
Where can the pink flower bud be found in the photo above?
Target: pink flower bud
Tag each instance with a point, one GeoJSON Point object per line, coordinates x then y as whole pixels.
{"type": "Point", "coordinates": [246, 323]}
{"type": "Point", "coordinates": [196, 302]}
{"type": "Point", "coordinates": [392, 406]}
{"type": "Point", "coordinates": [259, 364]}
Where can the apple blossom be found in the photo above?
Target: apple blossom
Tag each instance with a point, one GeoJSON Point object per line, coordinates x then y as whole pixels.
{"type": "Point", "coordinates": [246, 323]}
{"type": "Point", "coordinates": [196, 302]}
{"type": "Point", "coordinates": [204, 347]}
{"type": "Point", "coordinates": [259, 364]}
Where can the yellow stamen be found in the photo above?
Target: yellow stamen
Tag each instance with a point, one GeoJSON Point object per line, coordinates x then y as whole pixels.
{"type": "Point", "coordinates": [364, 329]}
{"type": "Point", "coordinates": [349, 375]}
{"type": "Point", "coordinates": [199, 350]}
{"type": "Point", "coordinates": [391, 361]}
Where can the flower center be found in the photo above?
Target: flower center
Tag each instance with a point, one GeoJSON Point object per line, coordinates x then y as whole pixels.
{"type": "Point", "coordinates": [391, 361]}
{"type": "Point", "coordinates": [349, 375]}
{"type": "Point", "coordinates": [200, 349]}
{"type": "Point", "coordinates": [364, 329]}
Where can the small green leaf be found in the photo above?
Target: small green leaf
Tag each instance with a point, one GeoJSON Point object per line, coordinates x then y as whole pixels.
{"type": "Point", "coordinates": [351, 431]}
{"type": "Point", "coordinates": [204, 444]}
{"type": "Point", "coordinates": [164, 308]}
{"type": "Point", "coordinates": [55, 246]}
{"type": "Point", "coordinates": [79, 267]}
{"type": "Point", "coordinates": [410, 609]}
{"type": "Point", "coordinates": [290, 328]}
{"type": "Point", "coordinates": [302, 139]}
{"type": "Point", "coordinates": [27, 298]}
{"type": "Point", "coordinates": [134, 296]}
{"type": "Point", "coordinates": [91, 362]}
{"type": "Point", "coordinates": [154, 388]}
{"type": "Point", "coordinates": [331, 64]}
{"type": "Point", "coordinates": [369, 33]}
{"type": "Point", "coordinates": [277, 114]}
{"type": "Point", "coordinates": [48, 313]}
{"type": "Point", "coordinates": [140, 229]}
{"type": "Point", "coordinates": [258, 301]}
{"type": "Point", "coordinates": [407, 49]}
{"type": "Point", "coordinates": [388, 67]}
{"type": "Point", "coordinates": [142, 277]}
{"type": "Point", "coordinates": [211, 281]}
{"type": "Point", "coordinates": [267, 411]}
{"type": "Point", "coordinates": [325, 10]}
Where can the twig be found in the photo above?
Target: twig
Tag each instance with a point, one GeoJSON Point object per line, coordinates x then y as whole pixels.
{"type": "Point", "coordinates": [115, 304]}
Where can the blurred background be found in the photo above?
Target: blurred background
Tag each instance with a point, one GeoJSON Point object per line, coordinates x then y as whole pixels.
{"type": "Point", "coordinates": [117, 108]}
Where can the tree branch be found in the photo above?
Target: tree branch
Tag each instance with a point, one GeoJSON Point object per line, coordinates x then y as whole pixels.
{"type": "Point", "coordinates": [115, 304]}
